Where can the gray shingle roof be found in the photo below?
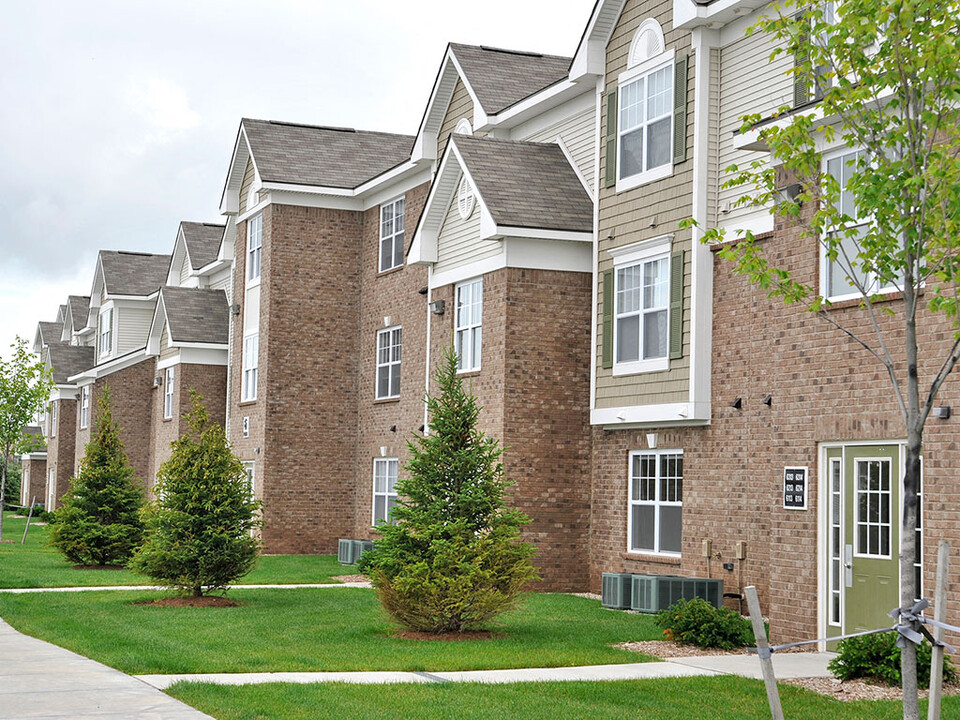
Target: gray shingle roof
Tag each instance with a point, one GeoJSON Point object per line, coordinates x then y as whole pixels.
{"type": "Point", "coordinates": [78, 307]}
{"type": "Point", "coordinates": [330, 157]}
{"type": "Point", "coordinates": [502, 78]}
{"type": "Point", "coordinates": [132, 273]}
{"type": "Point", "coordinates": [196, 315]}
{"type": "Point", "coordinates": [529, 185]}
{"type": "Point", "coordinates": [68, 360]}
{"type": "Point", "coordinates": [203, 242]}
{"type": "Point", "coordinates": [50, 332]}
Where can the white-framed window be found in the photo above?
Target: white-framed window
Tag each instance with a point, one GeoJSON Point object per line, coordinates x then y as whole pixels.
{"type": "Point", "coordinates": [844, 275]}
{"type": "Point", "coordinates": [53, 419]}
{"type": "Point", "coordinates": [391, 234]}
{"type": "Point", "coordinates": [388, 363]}
{"type": "Point", "coordinates": [468, 328]}
{"type": "Point", "coordinates": [168, 393]}
{"type": "Point", "coordinates": [641, 316]}
{"type": "Point", "coordinates": [251, 359]}
{"type": "Point", "coordinates": [836, 541]}
{"type": "Point", "coordinates": [51, 490]}
{"type": "Point", "coordinates": [84, 407]}
{"type": "Point", "coordinates": [874, 493]}
{"type": "Point", "coordinates": [384, 488]}
{"type": "Point", "coordinates": [254, 247]}
{"type": "Point", "coordinates": [106, 331]}
{"type": "Point", "coordinates": [655, 517]}
{"type": "Point", "coordinates": [249, 469]}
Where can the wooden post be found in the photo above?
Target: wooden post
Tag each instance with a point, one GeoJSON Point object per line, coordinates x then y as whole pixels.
{"type": "Point", "coordinates": [940, 615]}
{"type": "Point", "coordinates": [29, 515]}
{"type": "Point", "coordinates": [766, 663]}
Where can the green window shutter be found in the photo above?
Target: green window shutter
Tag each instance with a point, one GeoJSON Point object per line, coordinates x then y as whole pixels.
{"type": "Point", "coordinates": [801, 88]}
{"type": "Point", "coordinates": [680, 110]}
{"type": "Point", "coordinates": [676, 305]}
{"type": "Point", "coordinates": [610, 178]}
{"type": "Point", "coordinates": [606, 328]}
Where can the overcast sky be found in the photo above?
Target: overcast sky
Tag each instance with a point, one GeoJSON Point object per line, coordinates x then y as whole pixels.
{"type": "Point", "coordinates": [119, 118]}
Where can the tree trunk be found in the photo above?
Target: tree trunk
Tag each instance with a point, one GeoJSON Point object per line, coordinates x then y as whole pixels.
{"type": "Point", "coordinates": [908, 555]}
{"type": "Point", "coordinates": [3, 489]}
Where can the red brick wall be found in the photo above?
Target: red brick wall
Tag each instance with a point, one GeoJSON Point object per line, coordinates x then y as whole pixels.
{"type": "Point", "coordinates": [60, 448]}
{"type": "Point", "coordinates": [35, 469]}
{"type": "Point", "coordinates": [394, 294]}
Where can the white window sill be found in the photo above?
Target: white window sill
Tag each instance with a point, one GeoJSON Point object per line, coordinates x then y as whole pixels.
{"type": "Point", "coordinates": [641, 366]}
{"type": "Point", "coordinates": [253, 283]}
{"type": "Point", "coordinates": [658, 173]}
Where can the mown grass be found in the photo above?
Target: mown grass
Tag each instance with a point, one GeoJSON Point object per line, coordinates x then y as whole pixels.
{"type": "Point", "coordinates": [34, 565]}
{"type": "Point", "coordinates": [313, 629]}
{"type": "Point", "coordinates": [716, 698]}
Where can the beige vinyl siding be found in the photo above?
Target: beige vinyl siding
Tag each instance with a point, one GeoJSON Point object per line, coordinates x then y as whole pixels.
{"type": "Point", "coordinates": [646, 212]}
{"type": "Point", "coordinates": [461, 106]}
{"type": "Point", "coordinates": [133, 324]}
{"type": "Point", "coordinates": [165, 350]}
{"type": "Point", "coordinates": [185, 270]}
{"type": "Point", "coordinates": [577, 133]}
{"type": "Point", "coordinates": [713, 140]}
{"type": "Point", "coordinates": [749, 83]}
{"type": "Point", "coordinates": [249, 175]}
{"type": "Point", "coordinates": [459, 241]}
{"type": "Point", "coordinates": [223, 280]}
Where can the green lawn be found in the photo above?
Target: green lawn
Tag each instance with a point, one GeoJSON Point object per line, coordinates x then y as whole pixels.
{"type": "Point", "coordinates": [312, 629]}
{"type": "Point", "coordinates": [716, 698]}
{"type": "Point", "coordinates": [34, 565]}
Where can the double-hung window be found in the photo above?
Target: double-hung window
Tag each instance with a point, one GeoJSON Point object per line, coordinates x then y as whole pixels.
{"type": "Point", "coordinates": [168, 394]}
{"type": "Point", "coordinates": [844, 276]}
{"type": "Point", "coordinates": [391, 234]}
{"type": "Point", "coordinates": [254, 247]}
{"type": "Point", "coordinates": [384, 488]}
{"type": "Point", "coordinates": [84, 407]}
{"type": "Point", "coordinates": [106, 331]}
{"type": "Point", "coordinates": [641, 317]}
{"type": "Point", "coordinates": [249, 471]}
{"type": "Point", "coordinates": [251, 359]}
{"type": "Point", "coordinates": [468, 330]}
{"type": "Point", "coordinates": [645, 132]}
{"type": "Point", "coordinates": [388, 363]}
{"type": "Point", "coordinates": [655, 518]}
{"type": "Point", "coordinates": [53, 419]}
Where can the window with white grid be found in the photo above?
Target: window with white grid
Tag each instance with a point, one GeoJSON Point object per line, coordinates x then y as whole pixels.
{"type": "Point", "coordinates": [384, 488]}
{"type": "Point", "coordinates": [655, 519]}
{"type": "Point", "coordinates": [468, 330]}
{"type": "Point", "coordinates": [391, 234]}
{"type": "Point", "coordinates": [388, 363]}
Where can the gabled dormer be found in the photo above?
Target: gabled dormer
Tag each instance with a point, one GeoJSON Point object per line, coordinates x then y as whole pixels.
{"type": "Point", "coordinates": [189, 325]}
{"type": "Point", "coordinates": [122, 298]}
{"type": "Point", "coordinates": [498, 203]}
{"type": "Point", "coordinates": [196, 254]}
{"type": "Point", "coordinates": [488, 91]}
{"type": "Point", "coordinates": [75, 330]}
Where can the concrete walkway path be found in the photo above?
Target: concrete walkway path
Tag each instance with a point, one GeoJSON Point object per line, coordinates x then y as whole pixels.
{"type": "Point", "coordinates": [40, 681]}
{"type": "Point", "coordinates": [791, 665]}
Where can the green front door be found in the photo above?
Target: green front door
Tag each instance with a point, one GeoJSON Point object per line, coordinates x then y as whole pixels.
{"type": "Point", "coordinates": [863, 484]}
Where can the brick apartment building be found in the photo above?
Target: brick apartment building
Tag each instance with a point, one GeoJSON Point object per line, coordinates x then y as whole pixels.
{"type": "Point", "coordinates": [651, 401]}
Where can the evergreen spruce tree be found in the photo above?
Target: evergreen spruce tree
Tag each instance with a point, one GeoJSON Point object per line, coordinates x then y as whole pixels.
{"type": "Point", "coordinates": [199, 531]}
{"type": "Point", "coordinates": [98, 521]}
{"type": "Point", "coordinates": [453, 559]}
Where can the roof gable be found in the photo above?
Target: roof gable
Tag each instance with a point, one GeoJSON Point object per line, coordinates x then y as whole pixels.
{"type": "Point", "coordinates": [132, 273]}
{"type": "Point", "coordinates": [78, 307]}
{"type": "Point", "coordinates": [202, 241]}
{"type": "Point", "coordinates": [69, 360]}
{"type": "Point", "coordinates": [191, 316]}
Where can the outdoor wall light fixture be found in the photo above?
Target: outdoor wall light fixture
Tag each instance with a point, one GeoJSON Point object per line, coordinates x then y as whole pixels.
{"type": "Point", "coordinates": [768, 400]}
{"type": "Point", "coordinates": [789, 193]}
{"type": "Point", "coordinates": [737, 404]}
{"type": "Point", "coordinates": [438, 307]}
{"type": "Point", "coordinates": [942, 412]}
{"type": "Point", "coordinates": [424, 290]}
{"type": "Point", "coordinates": [393, 428]}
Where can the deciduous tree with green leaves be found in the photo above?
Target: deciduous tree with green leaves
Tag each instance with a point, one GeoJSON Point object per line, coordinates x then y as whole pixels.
{"type": "Point", "coordinates": [199, 532]}
{"type": "Point", "coordinates": [453, 558]}
{"type": "Point", "coordinates": [98, 520]}
{"type": "Point", "coordinates": [25, 385]}
{"type": "Point", "coordinates": [882, 77]}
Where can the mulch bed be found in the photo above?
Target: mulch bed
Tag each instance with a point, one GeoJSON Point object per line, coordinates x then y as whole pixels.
{"type": "Point", "coordinates": [447, 637]}
{"type": "Point", "coordinates": [202, 601]}
{"type": "Point", "coordinates": [351, 578]}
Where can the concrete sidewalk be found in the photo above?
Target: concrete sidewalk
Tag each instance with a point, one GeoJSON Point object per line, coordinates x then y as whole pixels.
{"type": "Point", "coordinates": [787, 666]}
{"type": "Point", "coordinates": [40, 680]}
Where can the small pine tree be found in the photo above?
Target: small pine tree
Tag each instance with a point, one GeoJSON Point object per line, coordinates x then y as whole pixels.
{"type": "Point", "coordinates": [453, 559]}
{"type": "Point", "coordinates": [199, 531]}
{"type": "Point", "coordinates": [98, 521]}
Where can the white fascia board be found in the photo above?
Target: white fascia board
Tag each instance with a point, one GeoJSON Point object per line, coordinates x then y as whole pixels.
{"type": "Point", "coordinates": [300, 197]}
{"type": "Point", "coordinates": [551, 115]}
{"type": "Point", "coordinates": [757, 222]}
{"type": "Point", "coordinates": [540, 234]}
{"type": "Point", "coordinates": [547, 99]}
{"type": "Point", "coordinates": [470, 270]}
{"type": "Point", "coordinates": [392, 185]}
{"type": "Point", "coordinates": [215, 266]}
{"type": "Point", "coordinates": [641, 416]}
{"type": "Point", "coordinates": [479, 114]}
{"type": "Point", "coordinates": [576, 168]}
{"type": "Point", "coordinates": [156, 327]}
{"type": "Point", "coordinates": [425, 146]}
{"type": "Point", "coordinates": [308, 189]}
{"type": "Point", "coordinates": [200, 345]}
{"type": "Point", "coordinates": [108, 368]}
{"type": "Point", "coordinates": [688, 14]}
{"type": "Point", "coordinates": [548, 254]}
{"type": "Point", "coordinates": [98, 283]}
{"type": "Point", "coordinates": [225, 252]}
{"type": "Point", "coordinates": [64, 392]}
{"type": "Point", "coordinates": [230, 198]}
{"type": "Point", "coordinates": [591, 55]}
{"type": "Point", "coordinates": [39, 455]}
{"type": "Point", "coordinates": [423, 247]}
{"type": "Point", "coordinates": [177, 257]}
{"type": "Point", "coordinates": [212, 355]}
{"type": "Point", "coordinates": [391, 176]}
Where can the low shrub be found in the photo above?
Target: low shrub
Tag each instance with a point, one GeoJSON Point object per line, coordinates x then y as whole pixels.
{"type": "Point", "coordinates": [877, 657]}
{"type": "Point", "coordinates": [697, 622]}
